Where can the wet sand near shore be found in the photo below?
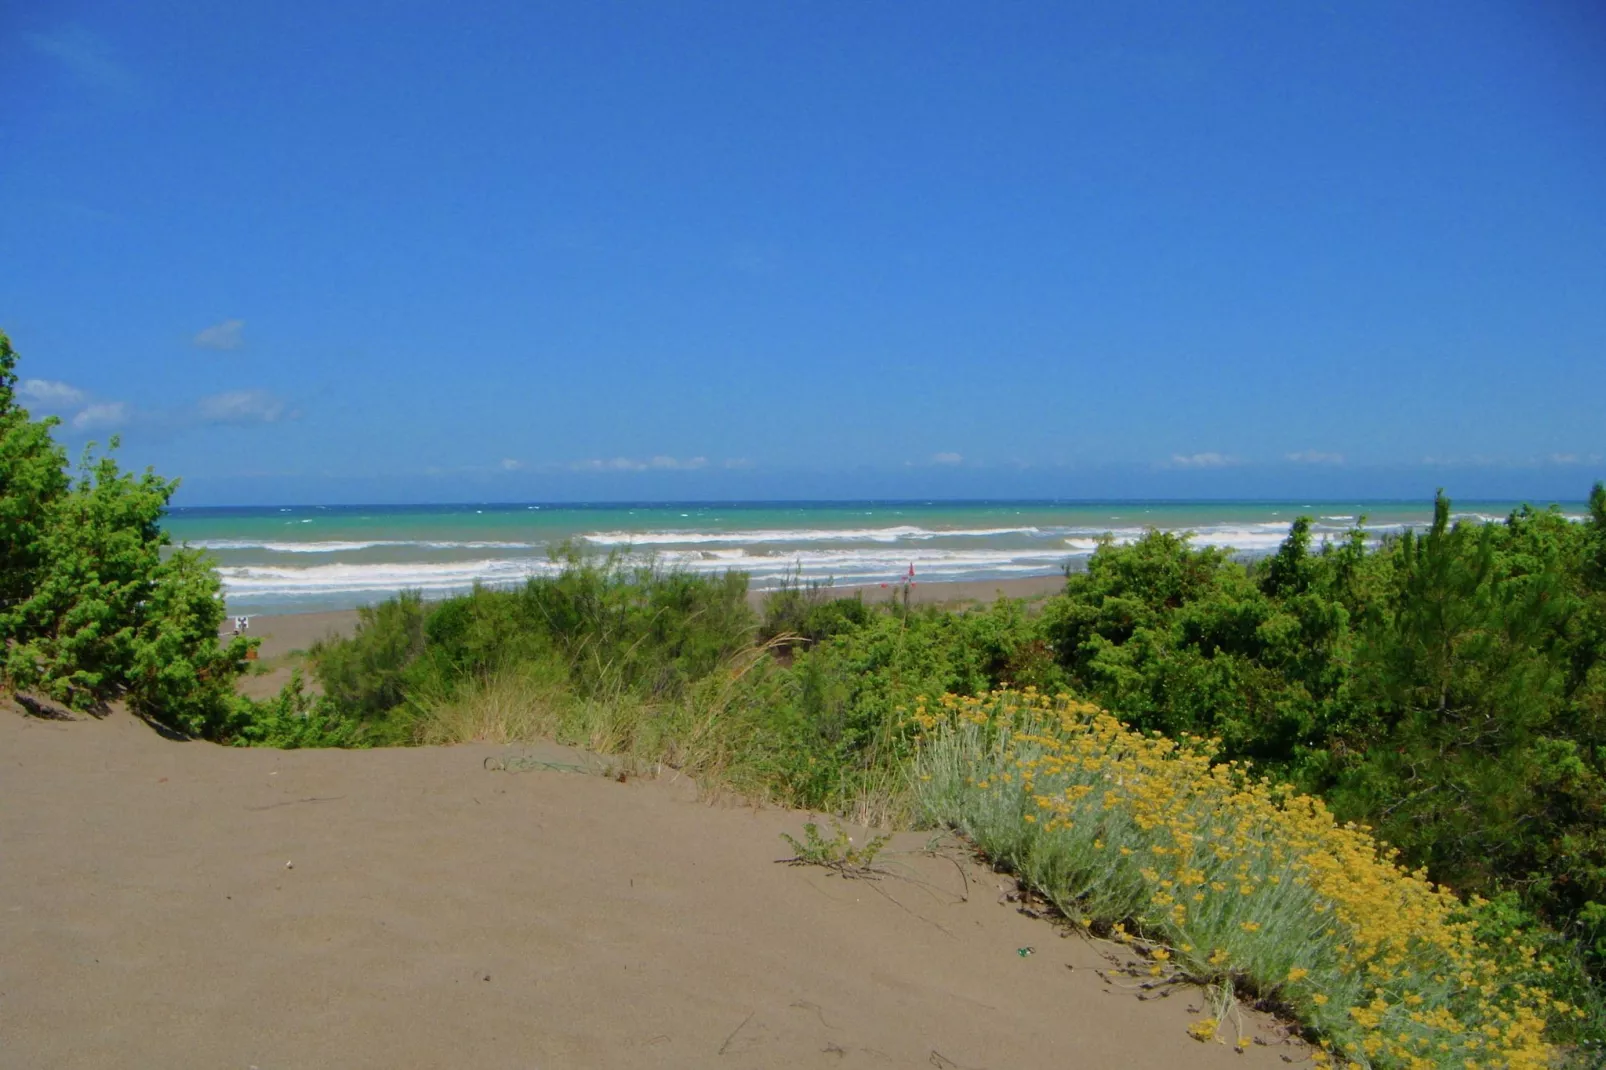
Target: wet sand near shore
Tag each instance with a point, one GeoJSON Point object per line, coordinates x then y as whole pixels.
{"type": "Point", "coordinates": [177, 905]}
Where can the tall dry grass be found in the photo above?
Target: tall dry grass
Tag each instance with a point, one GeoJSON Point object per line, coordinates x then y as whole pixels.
{"type": "Point", "coordinates": [700, 733]}
{"type": "Point", "coordinates": [719, 731]}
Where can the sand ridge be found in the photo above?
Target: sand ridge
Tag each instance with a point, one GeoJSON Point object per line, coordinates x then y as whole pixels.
{"type": "Point", "coordinates": [186, 905]}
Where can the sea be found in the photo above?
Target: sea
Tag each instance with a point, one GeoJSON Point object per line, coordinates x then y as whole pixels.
{"type": "Point", "coordinates": [308, 558]}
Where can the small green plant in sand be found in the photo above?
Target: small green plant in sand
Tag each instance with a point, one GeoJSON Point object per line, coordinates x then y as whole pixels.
{"type": "Point", "coordinates": [838, 853]}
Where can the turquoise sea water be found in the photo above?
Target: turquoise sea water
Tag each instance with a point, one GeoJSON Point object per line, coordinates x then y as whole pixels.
{"type": "Point", "coordinates": [335, 557]}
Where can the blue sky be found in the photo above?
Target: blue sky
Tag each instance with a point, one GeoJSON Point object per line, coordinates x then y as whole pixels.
{"type": "Point", "coordinates": [310, 253]}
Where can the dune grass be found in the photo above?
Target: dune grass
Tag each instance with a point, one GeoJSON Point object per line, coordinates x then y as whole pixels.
{"type": "Point", "coordinates": [716, 732]}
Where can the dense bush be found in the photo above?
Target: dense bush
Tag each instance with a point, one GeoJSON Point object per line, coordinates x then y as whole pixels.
{"type": "Point", "coordinates": [367, 675]}
{"type": "Point", "coordinates": [839, 709]}
{"type": "Point", "coordinates": [93, 604]}
{"type": "Point", "coordinates": [613, 627]}
{"type": "Point", "coordinates": [814, 694]}
{"type": "Point", "coordinates": [294, 719]}
{"type": "Point", "coordinates": [1448, 688]}
{"type": "Point", "coordinates": [801, 613]}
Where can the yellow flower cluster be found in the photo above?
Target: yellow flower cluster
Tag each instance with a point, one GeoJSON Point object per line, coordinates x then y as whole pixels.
{"type": "Point", "coordinates": [1275, 894]}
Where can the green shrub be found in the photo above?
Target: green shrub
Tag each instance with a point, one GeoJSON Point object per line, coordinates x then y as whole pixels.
{"type": "Point", "coordinates": [179, 674]}
{"type": "Point", "coordinates": [33, 478]}
{"type": "Point", "coordinates": [647, 628]}
{"type": "Point", "coordinates": [366, 674]}
{"type": "Point", "coordinates": [90, 609]}
{"type": "Point", "coordinates": [647, 631]}
{"type": "Point", "coordinates": [293, 719]}
{"type": "Point", "coordinates": [1448, 687]}
{"type": "Point", "coordinates": [800, 613]}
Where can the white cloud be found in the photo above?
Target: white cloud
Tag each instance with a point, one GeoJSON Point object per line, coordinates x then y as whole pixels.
{"type": "Point", "coordinates": [233, 408]}
{"type": "Point", "coordinates": [103, 415]}
{"type": "Point", "coordinates": [738, 462]}
{"type": "Point", "coordinates": [226, 335]}
{"type": "Point", "coordinates": [614, 464]}
{"type": "Point", "coordinates": [49, 394]}
{"type": "Point", "coordinates": [630, 464]}
{"type": "Point", "coordinates": [509, 464]}
{"type": "Point", "coordinates": [1201, 460]}
{"type": "Point", "coordinates": [1315, 457]}
{"type": "Point", "coordinates": [240, 407]}
{"type": "Point", "coordinates": [1477, 460]}
{"type": "Point", "coordinates": [946, 458]}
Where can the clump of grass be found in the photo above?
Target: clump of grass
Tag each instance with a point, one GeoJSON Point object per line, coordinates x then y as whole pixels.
{"type": "Point", "coordinates": [703, 732]}
{"type": "Point", "coordinates": [735, 730]}
{"type": "Point", "coordinates": [838, 853]}
{"type": "Point", "coordinates": [1235, 881]}
{"type": "Point", "coordinates": [515, 706]}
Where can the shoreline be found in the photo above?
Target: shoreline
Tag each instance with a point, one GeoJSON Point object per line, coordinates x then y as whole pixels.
{"type": "Point", "coordinates": [287, 633]}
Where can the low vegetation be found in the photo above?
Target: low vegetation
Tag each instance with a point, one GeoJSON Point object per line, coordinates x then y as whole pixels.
{"type": "Point", "coordinates": [838, 853]}
{"type": "Point", "coordinates": [1234, 882]}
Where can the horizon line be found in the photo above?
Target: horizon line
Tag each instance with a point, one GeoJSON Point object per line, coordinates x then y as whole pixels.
{"type": "Point", "coordinates": [647, 503]}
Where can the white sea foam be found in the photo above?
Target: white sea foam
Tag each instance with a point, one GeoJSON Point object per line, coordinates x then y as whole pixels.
{"type": "Point", "coordinates": [882, 562]}
{"type": "Point", "coordinates": [255, 581]}
{"type": "Point", "coordinates": [338, 547]}
{"type": "Point", "coordinates": [849, 566]}
{"type": "Point", "coordinates": [850, 556]}
{"type": "Point", "coordinates": [892, 534]}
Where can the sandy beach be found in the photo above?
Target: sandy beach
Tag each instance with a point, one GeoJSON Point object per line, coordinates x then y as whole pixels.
{"type": "Point", "coordinates": [188, 905]}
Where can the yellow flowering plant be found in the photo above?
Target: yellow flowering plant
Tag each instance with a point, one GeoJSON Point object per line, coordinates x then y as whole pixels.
{"type": "Point", "coordinates": [1267, 893]}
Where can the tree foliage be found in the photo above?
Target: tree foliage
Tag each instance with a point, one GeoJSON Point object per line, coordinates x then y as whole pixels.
{"type": "Point", "coordinates": [94, 604]}
{"type": "Point", "coordinates": [33, 478]}
{"type": "Point", "coordinates": [1447, 688]}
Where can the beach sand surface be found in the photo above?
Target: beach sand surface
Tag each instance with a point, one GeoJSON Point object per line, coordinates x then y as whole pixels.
{"type": "Point", "coordinates": [187, 905]}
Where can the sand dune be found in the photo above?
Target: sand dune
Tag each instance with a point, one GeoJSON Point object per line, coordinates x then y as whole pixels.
{"type": "Point", "coordinates": [172, 905]}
